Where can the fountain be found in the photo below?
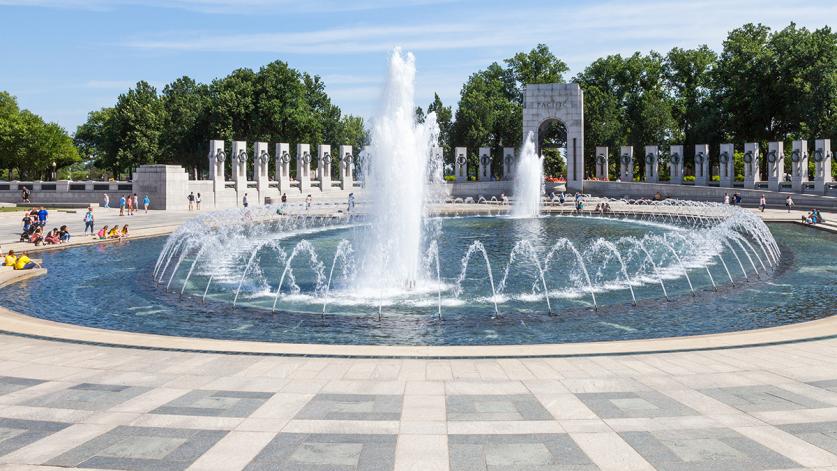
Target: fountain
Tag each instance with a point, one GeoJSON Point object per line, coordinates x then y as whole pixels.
{"type": "Point", "coordinates": [528, 181]}
{"type": "Point", "coordinates": [422, 278]}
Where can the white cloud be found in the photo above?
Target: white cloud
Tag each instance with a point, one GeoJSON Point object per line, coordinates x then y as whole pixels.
{"type": "Point", "coordinates": [243, 7]}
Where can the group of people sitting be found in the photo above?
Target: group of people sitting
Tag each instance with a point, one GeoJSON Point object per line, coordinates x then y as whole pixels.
{"type": "Point", "coordinates": [19, 262]}
{"type": "Point", "coordinates": [113, 233]}
{"type": "Point", "coordinates": [814, 217]}
{"type": "Point", "coordinates": [34, 223]}
{"type": "Point", "coordinates": [602, 208]}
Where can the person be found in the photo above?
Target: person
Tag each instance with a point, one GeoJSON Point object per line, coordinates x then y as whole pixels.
{"type": "Point", "coordinates": [42, 216]}
{"type": "Point", "coordinates": [106, 201]}
{"type": "Point", "coordinates": [789, 203]}
{"type": "Point", "coordinates": [244, 201]}
{"type": "Point", "coordinates": [191, 199]}
{"type": "Point", "coordinates": [198, 202]}
{"type": "Point", "coordinates": [129, 203]}
{"type": "Point", "coordinates": [25, 263]}
{"type": "Point", "coordinates": [10, 259]}
{"type": "Point", "coordinates": [726, 198]}
{"type": "Point", "coordinates": [37, 237]}
{"type": "Point", "coordinates": [561, 198]}
{"type": "Point", "coordinates": [64, 234]}
{"type": "Point", "coordinates": [284, 197]}
{"type": "Point", "coordinates": [52, 237]}
{"type": "Point", "coordinates": [122, 205]}
{"type": "Point", "coordinates": [146, 202]}
{"type": "Point", "coordinates": [113, 233]}
{"type": "Point", "coordinates": [24, 195]}
{"type": "Point", "coordinates": [351, 202]}
{"type": "Point", "coordinates": [88, 221]}
{"type": "Point", "coordinates": [819, 215]}
{"type": "Point", "coordinates": [103, 233]}
{"type": "Point", "coordinates": [308, 202]}
{"type": "Point", "coordinates": [762, 203]}
{"type": "Point", "coordinates": [27, 221]}
{"type": "Point", "coordinates": [124, 233]}
{"type": "Point", "coordinates": [136, 202]}
{"type": "Point", "coordinates": [737, 198]}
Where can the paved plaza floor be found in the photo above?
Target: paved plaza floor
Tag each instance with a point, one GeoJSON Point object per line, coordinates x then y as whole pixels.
{"type": "Point", "coordinates": [95, 407]}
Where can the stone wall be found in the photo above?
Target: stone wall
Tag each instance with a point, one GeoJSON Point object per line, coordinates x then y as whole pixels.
{"type": "Point", "coordinates": [706, 193]}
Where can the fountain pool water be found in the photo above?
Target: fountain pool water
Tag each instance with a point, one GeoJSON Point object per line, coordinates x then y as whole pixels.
{"type": "Point", "coordinates": [624, 258]}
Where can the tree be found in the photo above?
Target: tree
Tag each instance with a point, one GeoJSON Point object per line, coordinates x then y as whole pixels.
{"type": "Point", "coordinates": [138, 124]}
{"type": "Point", "coordinates": [35, 148]}
{"type": "Point", "coordinates": [689, 77]}
{"type": "Point", "coordinates": [185, 129]}
{"type": "Point", "coordinates": [490, 112]}
{"type": "Point", "coordinates": [444, 118]}
{"type": "Point", "coordinates": [96, 139]}
{"type": "Point", "coordinates": [537, 66]}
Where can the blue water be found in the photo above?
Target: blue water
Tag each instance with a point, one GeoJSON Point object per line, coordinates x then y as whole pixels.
{"type": "Point", "coordinates": [110, 286]}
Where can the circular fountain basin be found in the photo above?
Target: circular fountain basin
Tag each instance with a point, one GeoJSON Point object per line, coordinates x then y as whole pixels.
{"type": "Point", "coordinates": [110, 286]}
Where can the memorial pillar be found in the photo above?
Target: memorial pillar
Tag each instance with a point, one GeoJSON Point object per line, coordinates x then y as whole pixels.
{"type": "Point", "coordinates": [675, 164]}
{"type": "Point", "coordinates": [303, 167]}
{"type": "Point", "coordinates": [626, 163]}
{"type": "Point", "coordinates": [260, 161]}
{"type": "Point", "coordinates": [239, 164]}
{"type": "Point", "coordinates": [652, 164]}
{"type": "Point", "coordinates": [775, 165]}
{"type": "Point", "coordinates": [283, 166]}
{"type": "Point", "coordinates": [324, 166]}
{"type": "Point", "coordinates": [726, 169]}
{"type": "Point", "coordinates": [799, 165]}
{"type": "Point", "coordinates": [347, 165]}
{"type": "Point", "coordinates": [485, 165]}
{"type": "Point", "coordinates": [822, 164]}
{"type": "Point", "coordinates": [601, 163]}
{"type": "Point", "coordinates": [508, 163]}
{"type": "Point", "coordinates": [217, 157]}
{"type": "Point", "coordinates": [461, 164]}
{"type": "Point", "coordinates": [702, 164]}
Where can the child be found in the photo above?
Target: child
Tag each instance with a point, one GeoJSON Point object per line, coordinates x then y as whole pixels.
{"type": "Point", "coordinates": [113, 233]}
{"type": "Point", "coordinates": [124, 233]}
{"type": "Point", "coordinates": [88, 221]}
{"type": "Point", "coordinates": [64, 234]}
{"type": "Point", "coordinates": [103, 233]}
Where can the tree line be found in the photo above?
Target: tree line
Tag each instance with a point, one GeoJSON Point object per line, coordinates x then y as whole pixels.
{"type": "Point", "coordinates": [763, 85]}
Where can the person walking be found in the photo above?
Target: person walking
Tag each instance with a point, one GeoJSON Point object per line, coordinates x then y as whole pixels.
{"type": "Point", "coordinates": [146, 202]}
{"type": "Point", "coordinates": [191, 199]}
{"type": "Point", "coordinates": [129, 202]}
{"type": "Point", "coordinates": [198, 202]}
{"type": "Point", "coordinates": [762, 203]}
{"type": "Point", "coordinates": [106, 201]}
{"type": "Point", "coordinates": [122, 205]}
{"type": "Point", "coordinates": [244, 201]}
{"type": "Point", "coordinates": [351, 202]}
{"type": "Point", "coordinates": [789, 203]}
{"type": "Point", "coordinates": [88, 222]}
{"type": "Point", "coordinates": [136, 202]}
{"type": "Point", "coordinates": [24, 195]}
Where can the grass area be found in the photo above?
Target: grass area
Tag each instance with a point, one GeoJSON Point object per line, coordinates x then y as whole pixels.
{"type": "Point", "coordinates": [4, 209]}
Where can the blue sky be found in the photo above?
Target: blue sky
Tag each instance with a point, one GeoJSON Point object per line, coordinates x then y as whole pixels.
{"type": "Point", "coordinates": [64, 58]}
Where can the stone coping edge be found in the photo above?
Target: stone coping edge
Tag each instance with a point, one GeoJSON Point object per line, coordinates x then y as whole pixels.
{"type": "Point", "coordinates": [13, 323]}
